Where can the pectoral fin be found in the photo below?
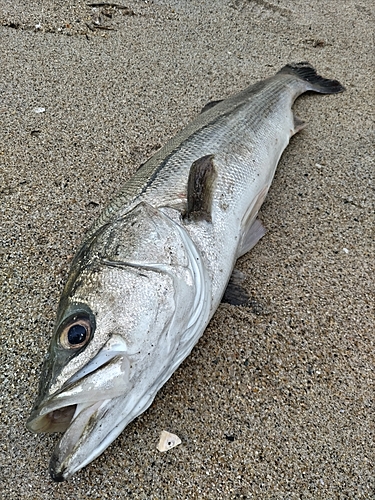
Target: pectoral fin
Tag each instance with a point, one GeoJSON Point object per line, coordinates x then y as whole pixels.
{"type": "Point", "coordinates": [251, 237]}
{"type": "Point", "coordinates": [252, 229]}
{"type": "Point", "coordinates": [200, 189]}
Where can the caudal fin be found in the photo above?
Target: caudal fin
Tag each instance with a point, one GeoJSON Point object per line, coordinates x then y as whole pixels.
{"type": "Point", "coordinates": [316, 83]}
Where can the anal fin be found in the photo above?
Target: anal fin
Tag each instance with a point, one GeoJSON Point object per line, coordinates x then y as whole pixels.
{"type": "Point", "coordinates": [298, 124]}
{"type": "Point", "coordinates": [200, 189]}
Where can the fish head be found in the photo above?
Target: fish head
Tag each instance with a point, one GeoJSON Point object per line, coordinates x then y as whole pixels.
{"type": "Point", "coordinates": [122, 316]}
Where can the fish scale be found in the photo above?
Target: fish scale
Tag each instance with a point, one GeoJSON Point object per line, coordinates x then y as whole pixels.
{"type": "Point", "coordinates": [153, 268]}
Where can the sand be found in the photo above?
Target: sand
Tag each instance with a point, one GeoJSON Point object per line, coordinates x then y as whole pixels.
{"type": "Point", "coordinates": [277, 399]}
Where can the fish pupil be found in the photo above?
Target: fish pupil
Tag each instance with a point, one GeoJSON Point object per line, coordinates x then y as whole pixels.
{"type": "Point", "coordinates": [77, 334]}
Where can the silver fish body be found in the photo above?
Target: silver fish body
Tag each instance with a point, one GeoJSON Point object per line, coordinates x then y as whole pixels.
{"type": "Point", "coordinates": [153, 268]}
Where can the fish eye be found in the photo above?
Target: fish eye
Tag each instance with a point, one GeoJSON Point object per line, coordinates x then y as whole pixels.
{"type": "Point", "coordinates": [76, 334]}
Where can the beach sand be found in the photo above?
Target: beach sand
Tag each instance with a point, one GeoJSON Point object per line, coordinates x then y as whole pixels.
{"type": "Point", "coordinates": [276, 401]}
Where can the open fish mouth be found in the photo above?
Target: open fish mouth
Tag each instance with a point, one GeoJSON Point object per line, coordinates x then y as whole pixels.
{"type": "Point", "coordinates": [77, 407]}
{"type": "Point", "coordinates": [66, 458]}
{"type": "Point", "coordinates": [105, 376]}
{"type": "Point", "coordinates": [61, 419]}
{"type": "Point", "coordinates": [55, 421]}
{"type": "Point", "coordinates": [77, 421]}
{"type": "Point", "coordinates": [108, 381]}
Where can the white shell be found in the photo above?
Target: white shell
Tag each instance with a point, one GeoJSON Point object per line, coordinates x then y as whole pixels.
{"type": "Point", "coordinates": [168, 441]}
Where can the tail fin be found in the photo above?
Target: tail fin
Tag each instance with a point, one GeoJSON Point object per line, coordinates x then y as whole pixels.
{"type": "Point", "coordinates": [315, 82]}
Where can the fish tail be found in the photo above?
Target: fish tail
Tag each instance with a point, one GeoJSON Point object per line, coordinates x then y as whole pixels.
{"type": "Point", "coordinates": [314, 82]}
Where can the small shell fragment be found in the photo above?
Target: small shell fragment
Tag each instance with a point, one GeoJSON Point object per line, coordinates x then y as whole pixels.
{"type": "Point", "coordinates": [168, 441]}
{"type": "Point", "coordinates": [39, 110]}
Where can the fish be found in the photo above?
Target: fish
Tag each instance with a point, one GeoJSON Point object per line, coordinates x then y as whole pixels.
{"type": "Point", "coordinates": [155, 265]}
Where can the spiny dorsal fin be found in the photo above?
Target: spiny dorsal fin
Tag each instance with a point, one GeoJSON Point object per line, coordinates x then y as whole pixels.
{"type": "Point", "coordinates": [200, 189]}
{"type": "Point", "coordinates": [210, 105]}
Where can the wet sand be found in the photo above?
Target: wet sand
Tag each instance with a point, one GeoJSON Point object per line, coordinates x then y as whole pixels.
{"type": "Point", "coordinates": [277, 399]}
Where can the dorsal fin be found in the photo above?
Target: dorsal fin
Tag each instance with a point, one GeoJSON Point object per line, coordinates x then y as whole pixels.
{"type": "Point", "coordinates": [210, 105]}
{"type": "Point", "coordinates": [200, 189]}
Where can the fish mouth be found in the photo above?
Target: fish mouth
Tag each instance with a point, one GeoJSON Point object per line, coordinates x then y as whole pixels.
{"type": "Point", "coordinates": [55, 421]}
{"type": "Point", "coordinates": [77, 422]}
{"type": "Point", "coordinates": [84, 390]}
{"type": "Point", "coordinates": [66, 458]}
{"type": "Point", "coordinates": [77, 406]}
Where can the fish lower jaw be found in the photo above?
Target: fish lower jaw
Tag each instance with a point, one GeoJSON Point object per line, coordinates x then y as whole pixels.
{"type": "Point", "coordinates": [74, 420]}
{"type": "Point", "coordinates": [62, 463]}
{"type": "Point", "coordinates": [58, 477]}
